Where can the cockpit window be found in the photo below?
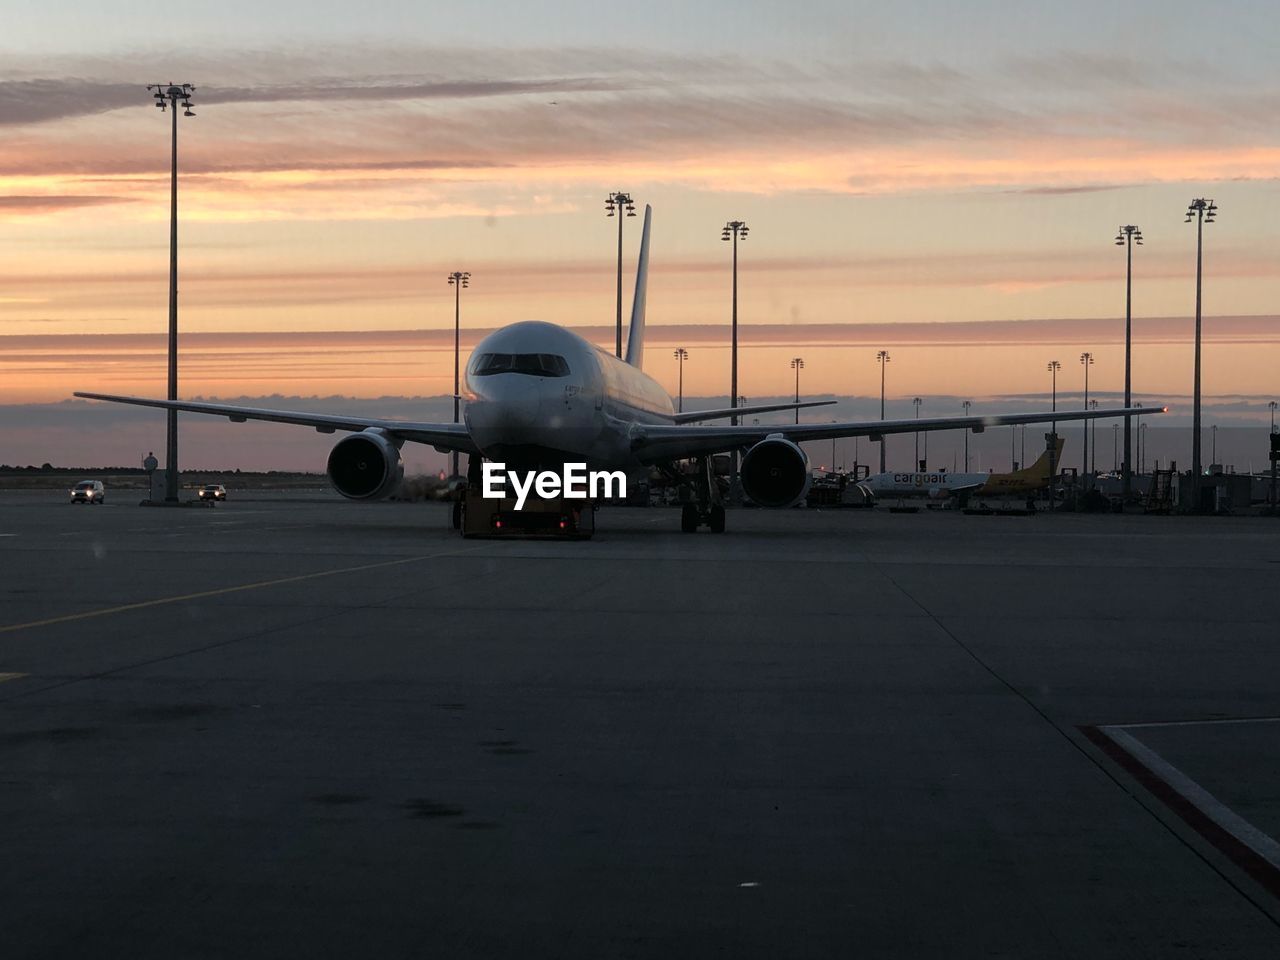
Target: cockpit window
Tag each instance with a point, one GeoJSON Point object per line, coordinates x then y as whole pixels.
{"type": "Point", "coordinates": [534, 364]}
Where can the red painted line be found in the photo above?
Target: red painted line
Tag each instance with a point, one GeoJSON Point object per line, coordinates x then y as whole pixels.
{"type": "Point", "coordinates": [1238, 852]}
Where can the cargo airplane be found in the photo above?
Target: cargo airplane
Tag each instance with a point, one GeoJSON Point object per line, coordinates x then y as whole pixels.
{"type": "Point", "coordinates": [539, 396]}
{"type": "Point", "coordinates": [938, 484]}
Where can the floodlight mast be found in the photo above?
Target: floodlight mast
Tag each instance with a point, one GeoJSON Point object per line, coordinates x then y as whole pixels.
{"type": "Point", "coordinates": [734, 230]}
{"type": "Point", "coordinates": [797, 364]}
{"type": "Point", "coordinates": [167, 96]}
{"type": "Point", "coordinates": [1053, 367]}
{"type": "Point", "coordinates": [1126, 237]}
{"type": "Point", "coordinates": [1202, 211]}
{"type": "Point", "coordinates": [882, 357]}
{"type": "Point", "coordinates": [625, 207]}
{"type": "Point", "coordinates": [681, 355]}
{"type": "Point", "coordinates": [1086, 360]}
{"type": "Point", "coordinates": [458, 280]}
{"type": "Point", "coordinates": [917, 401]}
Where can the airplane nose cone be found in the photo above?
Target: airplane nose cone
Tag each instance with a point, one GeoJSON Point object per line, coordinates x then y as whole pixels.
{"type": "Point", "coordinates": [504, 409]}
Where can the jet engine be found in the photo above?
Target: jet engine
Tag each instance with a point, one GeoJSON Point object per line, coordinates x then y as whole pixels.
{"type": "Point", "coordinates": [366, 465]}
{"type": "Point", "coordinates": [775, 473]}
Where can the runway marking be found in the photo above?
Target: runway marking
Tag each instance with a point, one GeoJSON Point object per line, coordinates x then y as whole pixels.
{"type": "Point", "coordinates": [204, 594]}
{"type": "Point", "coordinates": [1253, 851]}
{"type": "Point", "coordinates": [1193, 723]}
{"type": "Point", "coordinates": [11, 676]}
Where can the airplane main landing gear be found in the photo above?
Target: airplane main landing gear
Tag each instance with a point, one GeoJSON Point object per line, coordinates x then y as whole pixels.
{"type": "Point", "coordinates": [715, 518]}
{"type": "Point", "coordinates": [708, 508]}
{"type": "Point", "coordinates": [689, 518]}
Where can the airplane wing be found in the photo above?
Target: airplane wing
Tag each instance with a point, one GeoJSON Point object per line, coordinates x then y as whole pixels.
{"type": "Point", "coordinates": [443, 436]}
{"type": "Point", "coordinates": [656, 443]}
{"type": "Point", "coordinates": [696, 415]}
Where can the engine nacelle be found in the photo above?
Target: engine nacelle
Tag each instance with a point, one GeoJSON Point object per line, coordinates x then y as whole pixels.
{"type": "Point", "coordinates": [366, 465]}
{"type": "Point", "coordinates": [775, 473]}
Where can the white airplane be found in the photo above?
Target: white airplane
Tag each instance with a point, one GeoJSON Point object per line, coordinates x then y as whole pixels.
{"type": "Point", "coordinates": [539, 396]}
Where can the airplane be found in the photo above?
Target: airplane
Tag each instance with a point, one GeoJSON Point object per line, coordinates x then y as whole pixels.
{"type": "Point", "coordinates": [539, 396]}
{"type": "Point", "coordinates": [938, 483]}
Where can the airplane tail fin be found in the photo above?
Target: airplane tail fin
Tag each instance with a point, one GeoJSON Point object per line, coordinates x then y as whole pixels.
{"type": "Point", "coordinates": [1040, 469]}
{"type": "Point", "coordinates": [635, 337]}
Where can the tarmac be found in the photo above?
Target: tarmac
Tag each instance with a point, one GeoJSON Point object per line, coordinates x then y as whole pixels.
{"type": "Point", "coordinates": [297, 726]}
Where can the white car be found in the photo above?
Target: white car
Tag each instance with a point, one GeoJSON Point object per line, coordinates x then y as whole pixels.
{"type": "Point", "coordinates": [88, 491]}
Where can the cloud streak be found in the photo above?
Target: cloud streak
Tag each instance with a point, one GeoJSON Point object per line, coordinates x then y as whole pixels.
{"type": "Point", "coordinates": [36, 204]}
{"type": "Point", "coordinates": [234, 346]}
{"type": "Point", "coordinates": [59, 98]}
{"type": "Point", "coordinates": [1059, 124]}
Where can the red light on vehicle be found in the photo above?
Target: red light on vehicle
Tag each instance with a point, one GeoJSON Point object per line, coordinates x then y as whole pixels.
{"type": "Point", "coordinates": [564, 524]}
{"type": "Point", "coordinates": [498, 524]}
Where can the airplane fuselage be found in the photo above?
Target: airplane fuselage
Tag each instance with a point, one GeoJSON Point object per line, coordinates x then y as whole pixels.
{"type": "Point", "coordinates": [539, 395]}
{"type": "Point", "coordinates": [923, 484]}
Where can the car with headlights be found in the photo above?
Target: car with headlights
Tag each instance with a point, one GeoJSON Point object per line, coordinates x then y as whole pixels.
{"type": "Point", "coordinates": [212, 492]}
{"type": "Point", "coordinates": [89, 491]}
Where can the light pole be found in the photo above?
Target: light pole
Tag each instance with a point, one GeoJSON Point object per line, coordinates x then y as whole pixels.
{"type": "Point", "coordinates": [167, 96]}
{"type": "Point", "coordinates": [797, 364]}
{"type": "Point", "coordinates": [458, 279]}
{"type": "Point", "coordinates": [1202, 211]}
{"type": "Point", "coordinates": [1213, 454]}
{"type": "Point", "coordinates": [622, 203]}
{"type": "Point", "coordinates": [681, 355]}
{"type": "Point", "coordinates": [1115, 437]}
{"type": "Point", "coordinates": [1274, 464]}
{"type": "Point", "coordinates": [1093, 441]}
{"type": "Point", "coordinates": [883, 357]}
{"type": "Point", "coordinates": [734, 230]}
{"type": "Point", "coordinates": [1086, 360]}
{"type": "Point", "coordinates": [916, 465]}
{"type": "Point", "coordinates": [1053, 368]}
{"type": "Point", "coordinates": [1126, 237]}
{"type": "Point", "coordinates": [1139, 405]}
{"type": "Point", "coordinates": [967, 404]}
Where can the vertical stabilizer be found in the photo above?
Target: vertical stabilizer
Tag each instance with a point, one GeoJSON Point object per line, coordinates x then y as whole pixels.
{"type": "Point", "coordinates": [635, 337]}
{"type": "Point", "coordinates": [1040, 469]}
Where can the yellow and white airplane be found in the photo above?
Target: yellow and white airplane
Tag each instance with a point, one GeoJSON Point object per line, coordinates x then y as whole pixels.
{"type": "Point", "coordinates": [939, 484]}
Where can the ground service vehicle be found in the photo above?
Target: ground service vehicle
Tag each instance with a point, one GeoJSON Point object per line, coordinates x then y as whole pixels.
{"type": "Point", "coordinates": [89, 491]}
{"type": "Point", "coordinates": [558, 518]}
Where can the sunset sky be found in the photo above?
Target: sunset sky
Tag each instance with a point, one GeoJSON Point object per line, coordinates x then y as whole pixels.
{"type": "Point", "coordinates": [940, 179]}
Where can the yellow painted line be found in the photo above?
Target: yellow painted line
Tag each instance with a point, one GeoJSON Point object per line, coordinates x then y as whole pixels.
{"type": "Point", "coordinates": [124, 608]}
{"type": "Point", "coordinates": [11, 676]}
